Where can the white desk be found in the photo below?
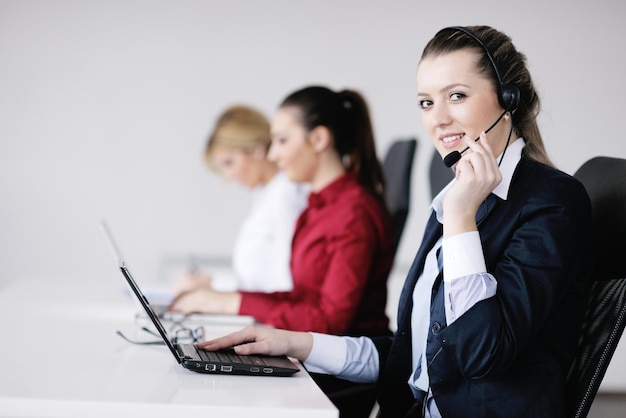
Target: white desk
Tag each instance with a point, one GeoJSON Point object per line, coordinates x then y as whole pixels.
{"type": "Point", "coordinates": [60, 357]}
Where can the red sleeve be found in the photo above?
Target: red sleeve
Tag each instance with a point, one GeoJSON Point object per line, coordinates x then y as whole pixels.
{"type": "Point", "coordinates": [352, 251]}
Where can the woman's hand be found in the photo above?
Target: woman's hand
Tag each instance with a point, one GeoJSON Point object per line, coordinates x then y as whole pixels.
{"type": "Point", "coordinates": [192, 280]}
{"type": "Point", "coordinates": [477, 174]}
{"type": "Point", "coordinates": [207, 301]}
{"type": "Point", "coordinates": [256, 339]}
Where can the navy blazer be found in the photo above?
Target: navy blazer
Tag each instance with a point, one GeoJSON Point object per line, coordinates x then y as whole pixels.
{"type": "Point", "coordinates": [508, 355]}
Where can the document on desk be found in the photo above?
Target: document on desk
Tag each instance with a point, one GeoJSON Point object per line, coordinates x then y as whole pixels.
{"type": "Point", "coordinates": [161, 295]}
{"type": "Point", "coordinates": [202, 318]}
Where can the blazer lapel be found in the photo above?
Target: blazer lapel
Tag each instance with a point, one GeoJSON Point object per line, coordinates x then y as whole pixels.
{"type": "Point", "coordinates": [432, 233]}
{"type": "Point", "coordinates": [405, 305]}
{"type": "Point", "coordinates": [485, 208]}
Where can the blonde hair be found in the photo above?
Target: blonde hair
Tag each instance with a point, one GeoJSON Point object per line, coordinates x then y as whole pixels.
{"type": "Point", "coordinates": [239, 128]}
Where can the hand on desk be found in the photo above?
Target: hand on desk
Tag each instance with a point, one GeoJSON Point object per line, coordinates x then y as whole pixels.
{"type": "Point", "coordinates": [207, 300]}
{"type": "Point", "coordinates": [255, 339]}
{"type": "Point", "coordinates": [192, 280]}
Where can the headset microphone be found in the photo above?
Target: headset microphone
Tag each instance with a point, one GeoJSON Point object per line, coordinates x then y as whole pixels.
{"type": "Point", "coordinates": [452, 158]}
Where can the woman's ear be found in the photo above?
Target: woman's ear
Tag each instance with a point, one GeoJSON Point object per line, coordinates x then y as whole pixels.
{"type": "Point", "coordinates": [320, 138]}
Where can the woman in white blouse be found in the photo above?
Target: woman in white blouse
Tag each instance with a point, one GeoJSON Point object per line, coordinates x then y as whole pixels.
{"type": "Point", "coordinates": [237, 150]}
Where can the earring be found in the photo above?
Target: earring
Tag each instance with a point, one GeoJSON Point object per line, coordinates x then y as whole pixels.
{"type": "Point", "coordinates": [506, 116]}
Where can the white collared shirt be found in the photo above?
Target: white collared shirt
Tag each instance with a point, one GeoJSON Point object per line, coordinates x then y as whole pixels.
{"type": "Point", "coordinates": [262, 252]}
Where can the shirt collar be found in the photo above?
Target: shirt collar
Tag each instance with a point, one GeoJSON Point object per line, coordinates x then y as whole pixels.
{"type": "Point", "coordinates": [512, 156]}
{"type": "Point", "coordinates": [331, 191]}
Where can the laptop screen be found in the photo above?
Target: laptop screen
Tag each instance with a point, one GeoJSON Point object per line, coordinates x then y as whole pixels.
{"type": "Point", "coordinates": [146, 306]}
{"type": "Point", "coordinates": [138, 293]}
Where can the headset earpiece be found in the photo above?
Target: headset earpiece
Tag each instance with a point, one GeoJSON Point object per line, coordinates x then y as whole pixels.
{"type": "Point", "coordinates": [508, 94]}
{"type": "Point", "coordinates": [509, 97]}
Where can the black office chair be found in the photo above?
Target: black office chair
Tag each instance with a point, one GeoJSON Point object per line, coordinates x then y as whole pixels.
{"type": "Point", "coordinates": [439, 174]}
{"type": "Point", "coordinates": [605, 317]}
{"type": "Point", "coordinates": [398, 166]}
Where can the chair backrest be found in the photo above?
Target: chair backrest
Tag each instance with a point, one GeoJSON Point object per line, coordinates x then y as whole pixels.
{"type": "Point", "coordinates": [605, 316]}
{"type": "Point", "coordinates": [439, 174]}
{"type": "Point", "coordinates": [398, 166]}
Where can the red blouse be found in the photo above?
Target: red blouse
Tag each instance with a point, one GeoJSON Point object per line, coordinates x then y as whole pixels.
{"type": "Point", "coordinates": [342, 254]}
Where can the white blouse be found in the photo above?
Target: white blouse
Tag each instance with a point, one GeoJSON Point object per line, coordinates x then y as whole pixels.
{"type": "Point", "coordinates": [262, 253]}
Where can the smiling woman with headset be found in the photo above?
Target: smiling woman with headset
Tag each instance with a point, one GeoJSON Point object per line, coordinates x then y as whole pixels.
{"type": "Point", "coordinates": [491, 308]}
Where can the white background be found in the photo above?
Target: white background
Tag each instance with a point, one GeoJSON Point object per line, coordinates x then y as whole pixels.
{"type": "Point", "coordinates": [105, 107]}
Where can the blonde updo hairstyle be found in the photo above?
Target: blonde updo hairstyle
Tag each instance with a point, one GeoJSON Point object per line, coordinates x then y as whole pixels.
{"type": "Point", "coordinates": [239, 128]}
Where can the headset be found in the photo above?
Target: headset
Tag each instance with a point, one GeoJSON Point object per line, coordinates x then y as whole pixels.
{"type": "Point", "coordinates": [508, 94]}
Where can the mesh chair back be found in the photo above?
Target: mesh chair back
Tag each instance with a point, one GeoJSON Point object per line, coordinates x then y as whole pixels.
{"type": "Point", "coordinates": [605, 317]}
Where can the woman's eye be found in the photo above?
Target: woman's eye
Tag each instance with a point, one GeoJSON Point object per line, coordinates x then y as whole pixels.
{"type": "Point", "coordinates": [424, 104]}
{"type": "Point", "coordinates": [455, 97]}
{"type": "Point", "coordinates": [224, 164]}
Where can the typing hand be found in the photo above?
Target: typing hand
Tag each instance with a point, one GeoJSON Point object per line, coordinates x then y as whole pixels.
{"type": "Point", "coordinates": [208, 301]}
{"type": "Point", "coordinates": [256, 339]}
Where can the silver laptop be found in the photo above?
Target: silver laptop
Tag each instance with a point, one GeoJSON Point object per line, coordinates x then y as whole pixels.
{"type": "Point", "coordinates": [194, 359]}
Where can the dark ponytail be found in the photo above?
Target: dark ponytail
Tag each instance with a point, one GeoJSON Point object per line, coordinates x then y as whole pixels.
{"type": "Point", "coordinates": [346, 115]}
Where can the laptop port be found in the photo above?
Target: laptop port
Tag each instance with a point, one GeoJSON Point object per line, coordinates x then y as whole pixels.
{"type": "Point", "coordinates": [210, 367]}
{"type": "Point", "coordinates": [254, 369]}
{"type": "Point", "coordinates": [268, 370]}
{"type": "Point", "coordinates": [226, 368]}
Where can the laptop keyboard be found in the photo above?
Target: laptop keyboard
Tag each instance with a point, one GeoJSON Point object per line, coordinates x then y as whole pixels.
{"type": "Point", "coordinates": [224, 356]}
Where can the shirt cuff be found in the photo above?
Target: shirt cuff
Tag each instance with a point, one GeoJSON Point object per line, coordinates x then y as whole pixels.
{"type": "Point", "coordinates": [328, 354]}
{"type": "Point", "coordinates": [462, 256]}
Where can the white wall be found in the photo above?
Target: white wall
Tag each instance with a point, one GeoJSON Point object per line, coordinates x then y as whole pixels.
{"type": "Point", "coordinates": [104, 108]}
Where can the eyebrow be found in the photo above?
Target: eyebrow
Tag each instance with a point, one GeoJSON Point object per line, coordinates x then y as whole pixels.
{"type": "Point", "coordinates": [446, 88]}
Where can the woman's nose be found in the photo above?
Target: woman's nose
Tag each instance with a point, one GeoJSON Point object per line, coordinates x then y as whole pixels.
{"type": "Point", "coordinates": [439, 116]}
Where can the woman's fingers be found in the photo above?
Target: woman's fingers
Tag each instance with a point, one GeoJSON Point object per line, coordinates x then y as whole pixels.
{"type": "Point", "coordinates": [479, 165]}
{"type": "Point", "coordinates": [256, 339]}
{"type": "Point", "coordinates": [245, 335]}
{"type": "Point", "coordinates": [477, 174]}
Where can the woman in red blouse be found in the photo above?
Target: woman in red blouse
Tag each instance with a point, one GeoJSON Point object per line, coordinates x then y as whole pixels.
{"type": "Point", "coordinates": [343, 247]}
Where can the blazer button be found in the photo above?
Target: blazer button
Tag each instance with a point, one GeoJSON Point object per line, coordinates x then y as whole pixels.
{"type": "Point", "coordinates": [436, 327]}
